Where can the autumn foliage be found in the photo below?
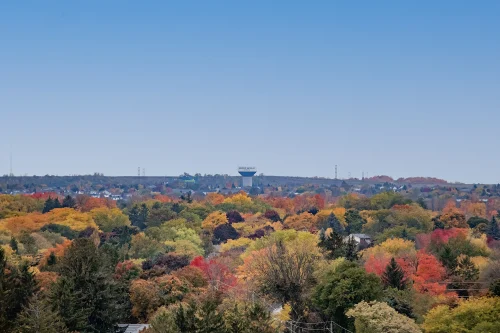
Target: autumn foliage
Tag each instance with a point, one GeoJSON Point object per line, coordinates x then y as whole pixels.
{"type": "Point", "coordinates": [216, 273]}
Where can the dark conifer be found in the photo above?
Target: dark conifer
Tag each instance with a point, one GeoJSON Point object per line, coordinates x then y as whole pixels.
{"type": "Point", "coordinates": [351, 249]}
{"type": "Point", "coordinates": [493, 229]}
{"type": "Point", "coordinates": [56, 204]}
{"type": "Point", "coordinates": [334, 223]}
{"type": "Point", "coordinates": [394, 276]}
{"type": "Point", "coordinates": [86, 295]}
{"type": "Point", "coordinates": [49, 205]}
{"type": "Point", "coordinates": [14, 245]}
{"type": "Point", "coordinates": [69, 202]}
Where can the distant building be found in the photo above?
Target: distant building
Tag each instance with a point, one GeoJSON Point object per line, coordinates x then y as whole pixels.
{"type": "Point", "coordinates": [134, 328]}
{"type": "Point", "coordinates": [362, 240]}
{"type": "Point", "coordinates": [247, 173]}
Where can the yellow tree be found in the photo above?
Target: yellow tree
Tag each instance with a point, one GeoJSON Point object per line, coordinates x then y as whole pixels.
{"type": "Point", "coordinates": [304, 221]}
{"type": "Point", "coordinates": [471, 209]}
{"type": "Point", "coordinates": [213, 220]}
{"type": "Point", "coordinates": [472, 315]}
{"type": "Point", "coordinates": [107, 219]}
{"type": "Point", "coordinates": [282, 266]}
{"type": "Point", "coordinates": [239, 199]}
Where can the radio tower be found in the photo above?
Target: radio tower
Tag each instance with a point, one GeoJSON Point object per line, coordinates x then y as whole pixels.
{"type": "Point", "coordinates": [11, 174]}
{"type": "Point", "coordinates": [336, 171]}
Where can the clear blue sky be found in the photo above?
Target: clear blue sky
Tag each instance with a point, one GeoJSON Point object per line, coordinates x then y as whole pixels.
{"type": "Point", "coordinates": [403, 88]}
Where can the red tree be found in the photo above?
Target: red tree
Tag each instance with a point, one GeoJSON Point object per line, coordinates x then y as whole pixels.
{"type": "Point", "coordinates": [429, 275]}
{"type": "Point", "coordinates": [217, 274]}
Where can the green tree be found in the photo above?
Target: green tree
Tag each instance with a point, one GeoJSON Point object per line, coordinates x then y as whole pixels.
{"type": "Point", "coordinates": [259, 319]}
{"type": "Point", "coordinates": [493, 230]}
{"type": "Point", "coordinates": [56, 203]}
{"type": "Point", "coordinates": [495, 288]}
{"type": "Point", "coordinates": [400, 300]}
{"type": "Point", "coordinates": [394, 276]}
{"type": "Point", "coordinates": [29, 243]}
{"type": "Point", "coordinates": [164, 322]}
{"type": "Point", "coordinates": [49, 205]}
{"type": "Point", "coordinates": [354, 221]}
{"type": "Point", "coordinates": [475, 315]}
{"type": "Point", "coordinates": [13, 245]}
{"type": "Point", "coordinates": [465, 272]}
{"type": "Point", "coordinates": [235, 321]}
{"type": "Point", "coordinates": [421, 203]}
{"type": "Point", "coordinates": [138, 215]}
{"type": "Point", "coordinates": [348, 285]}
{"type": "Point", "coordinates": [39, 317]}
{"type": "Point", "coordinates": [69, 202]}
{"type": "Point", "coordinates": [86, 296]}
{"type": "Point", "coordinates": [334, 223]}
{"type": "Point", "coordinates": [17, 285]}
{"type": "Point", "coordinates": [209, 319]}
{"type": "Point", "coordinates": [332, 243]}
{"type": "Point", "coordinates": [52, 259]}
{"type": "Point", "coordinates": [474, 221]}
{"type": "Point", "coordinates": [185, 319]}
{"type": "Point", "coordinates": [351, 249]}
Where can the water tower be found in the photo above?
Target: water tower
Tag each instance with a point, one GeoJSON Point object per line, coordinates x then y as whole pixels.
{"type": "Point", "coordinates": [247, 174]}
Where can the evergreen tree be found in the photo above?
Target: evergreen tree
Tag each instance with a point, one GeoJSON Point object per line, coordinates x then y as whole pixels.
{"type": "Point", "coordinates": [163, 322]}
{"type": "Point", "coordinates": [17, 285]}
{"type": "Point", "coordinates": [235, 321]}
{"type": "Point", "coordinates": [13, 245]}
{"type": "Point", "coordinates": [138, 216]}
{"type": "Point", "coordinates": [404, 234]}
{"type": "Point", "coordinates": [259, 320]}
{"type": "Point", "coordinates": [421, 203]}
{"type": "Point", "coordinates": [394, 276]}
{"type": "Point", "coordinates": [49, 205]}
{"type": "Point", "coordinates": [493, 230]}
{"type": "Point", "coordinates": [86, 296]}
{"type": "Point", "coordinates": [334, 223]}
{"type": "Point", "coordinates": [448, 257]}
{"type": "Point", "coordinates": [333, 244]}
{"type": "Point", "coordinates": [38, 317]}
{"type": "Point", "coordinates": [466, 269]}
{"type": "Point", "coordinates": [354, 221]}
{"type": "Point", "coordinates": [69, 202]}
{"type": "Point", "coordinates": [495, 288]}
{"type": "Point", "coordinates": [185, 319]}
{"type": "Point", "coordinates": [465, 272]}
{"type": "Point", "coordinates": [56, 204]}
{"type": "Point", "coordinates": [52, 259]}
{"type": "Point", "coordinates": [351, 249]}
{"type": "Point", "coordinates": [400, 300]}
{"type": "Point", "coordinates": [209, 319]}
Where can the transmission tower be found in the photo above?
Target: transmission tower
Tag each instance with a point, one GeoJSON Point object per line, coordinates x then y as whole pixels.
{"type": "Point", "coordinates": [11, 173]}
